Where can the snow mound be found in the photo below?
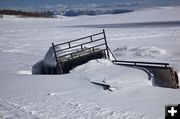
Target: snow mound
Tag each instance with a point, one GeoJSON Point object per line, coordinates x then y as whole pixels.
{"type": "Point", "coordinates": [47, 65]}
{"type": "Point", "coordinates": [150, 52]}
{"type": "Point", "coordinates": [93, 65]}
{"type": "Point", "coordinates": [104, 71]}
{"type": "Point", "coordinates": [49, 58]}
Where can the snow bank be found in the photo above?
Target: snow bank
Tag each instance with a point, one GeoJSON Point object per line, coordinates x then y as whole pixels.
{"type": "Point", "coordinates": [49, 58]}
{"type": "Point", "coordinates": [103, 70]}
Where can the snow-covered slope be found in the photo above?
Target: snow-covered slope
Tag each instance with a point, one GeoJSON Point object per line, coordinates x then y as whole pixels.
{"type": "Point", "coordinates": [138, 16]}
{"type": "Point", "coordinates": [25, 41]}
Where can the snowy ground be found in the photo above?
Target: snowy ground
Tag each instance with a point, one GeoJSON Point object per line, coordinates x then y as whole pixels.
{"type": "Point", "coordinates": [24, 41]}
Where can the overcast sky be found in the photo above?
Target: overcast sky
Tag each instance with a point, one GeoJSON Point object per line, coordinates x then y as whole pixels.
{"type": "Point", "coordinates": [40, 3]}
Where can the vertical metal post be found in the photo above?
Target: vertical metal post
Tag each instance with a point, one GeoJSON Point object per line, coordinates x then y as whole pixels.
{"type": "Point", "coordinates": [57, 66]}
{"type": "Point", "coordinates": [81, 47]}
{"type": "Point", "coordinates": [69, 44]}
{"type": "Point", "coordinates": [93, 50]}
{"type": "Point", "coordinates": [71, 56]}
{"type": "Point", "coordinates": [91, 38]}
{"type": "Point", "coordinates": [104, 51]}
{"type": "Point", "coordinates": [106, 44]}
{"type": "Point", "coordinates": [112, 53]}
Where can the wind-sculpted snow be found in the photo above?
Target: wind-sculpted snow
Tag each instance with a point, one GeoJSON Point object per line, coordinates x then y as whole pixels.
{"type": "Point", "coordinates": [49, 58]}
{"type": "Point", "coordinates": [150, 52]}
{"type": "Point", "coordinates": [46, 65]}
{"type": "Point", "coordinates": [61, 106]}
{"type": "Point", "coordinates": [9, 110]}
{"type": "Point", "coordinates": [110, 73]}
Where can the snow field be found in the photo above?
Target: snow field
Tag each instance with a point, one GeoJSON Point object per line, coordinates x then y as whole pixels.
{"type": "Point", "coordinates": [23, 42]}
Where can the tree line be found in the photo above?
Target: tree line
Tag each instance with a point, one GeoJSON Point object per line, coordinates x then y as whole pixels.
{"type": "Point", "coordinates": [19, 13]}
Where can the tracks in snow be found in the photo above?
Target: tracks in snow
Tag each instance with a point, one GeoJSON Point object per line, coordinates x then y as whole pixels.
{"type": "Point", "coordinates": [60, 106]}
{"type": "Point", "coordinates": [11, 111]}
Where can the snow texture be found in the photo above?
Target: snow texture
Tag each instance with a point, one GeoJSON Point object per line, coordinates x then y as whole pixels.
{"type": "Point", "coordinates": [25, 41]}
{"type": "Point", "coordinates": [49, 58]}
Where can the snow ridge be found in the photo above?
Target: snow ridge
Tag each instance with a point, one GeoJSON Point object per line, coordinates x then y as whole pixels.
{"type": "Point", "coordinates": [12, 111]}
{"type": "Point", "coordinates": [62, 106]}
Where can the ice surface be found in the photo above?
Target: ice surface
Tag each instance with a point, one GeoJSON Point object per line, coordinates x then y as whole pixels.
{"type": "Point", "coordinates": [25, 41]}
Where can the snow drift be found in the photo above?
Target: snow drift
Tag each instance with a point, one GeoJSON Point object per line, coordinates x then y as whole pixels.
{"type": "Point", "coordinates": [47, 65]}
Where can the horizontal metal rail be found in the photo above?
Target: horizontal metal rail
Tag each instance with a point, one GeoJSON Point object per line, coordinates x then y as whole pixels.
{"type": "Point", "coordinates": [69, 58]}
{"type": "Point", "coordinates": [80, 45]}
{"type": "Point", "coordinates": [143, 66]}
{"type": "Point", "coordinates": [136, 63]}
{"type": "Point", "coordinates": [74, 54]}
{"type": "Point", "coordinates": [70, 54]}
{"type": "Point", "coordinates": [105, 86]}
{"type": "Point", "coordinates": [79, 39]}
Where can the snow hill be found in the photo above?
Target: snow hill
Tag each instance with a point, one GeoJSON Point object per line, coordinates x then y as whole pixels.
{"type": "Point", "coordinates": [157, 14]}
{"type": "Point", "coordinates": [25, 41]}
{"type": "Point", "coordinates": [92, 12]}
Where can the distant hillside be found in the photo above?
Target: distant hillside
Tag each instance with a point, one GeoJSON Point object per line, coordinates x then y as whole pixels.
{"type": "Point", "coordinates": [46, 14]}
{"type": "Point", "coordinates": [92, 12]}
{"type": "Point", "coordinates": [64, 12]}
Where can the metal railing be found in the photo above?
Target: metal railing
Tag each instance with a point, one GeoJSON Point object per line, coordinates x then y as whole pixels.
{"type": "Point", "coordinates": [137, 63]}
{"type": "Point", "coordinates": [59, 54]}
{"type": "Point", "coordinates": [73, 51]}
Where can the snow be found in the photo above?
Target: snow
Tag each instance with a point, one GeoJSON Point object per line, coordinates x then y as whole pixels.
{"type": "Point", "coordinates": [25, 41]}
{"type": "Point", "coordinates": [138, 16]}
{"type": "Point", "coordinates": [140, 51]}
{"type": "Point", "coordinates": [25, 72]}
{"type": "Point", "coordinates": [49, 58]}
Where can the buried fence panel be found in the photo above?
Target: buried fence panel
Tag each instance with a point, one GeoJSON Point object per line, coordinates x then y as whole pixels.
{"type": "Point", "coordinates": [79, 51]}
{"type": "Point", "coordinates": [92, 49]}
